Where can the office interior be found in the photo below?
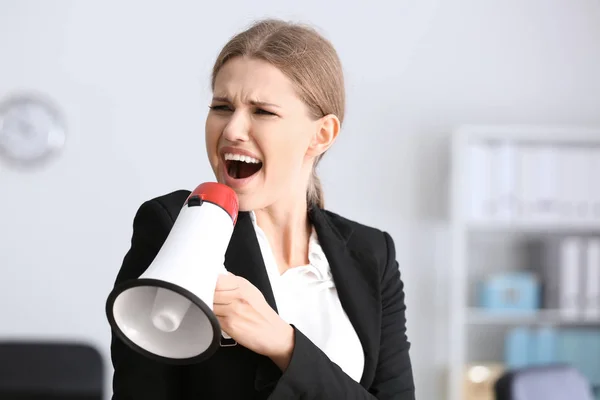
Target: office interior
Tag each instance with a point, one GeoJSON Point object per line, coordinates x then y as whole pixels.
{"type": "Point", "coordinates": [472, 136]}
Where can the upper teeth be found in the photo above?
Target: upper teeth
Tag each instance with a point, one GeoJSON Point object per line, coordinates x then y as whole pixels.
{"type": "Point", "coordinates": [239, 157]}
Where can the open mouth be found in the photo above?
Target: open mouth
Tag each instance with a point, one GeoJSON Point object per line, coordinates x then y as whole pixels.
{"type": "Point", "coordinates": [241, 167]}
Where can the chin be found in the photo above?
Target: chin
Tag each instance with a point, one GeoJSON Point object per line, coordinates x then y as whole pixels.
{"type": "Point", "coordinates": [249, 202]}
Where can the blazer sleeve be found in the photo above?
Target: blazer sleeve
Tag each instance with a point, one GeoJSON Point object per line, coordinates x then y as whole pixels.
{"type": "Point", "coordinates": [135, 376]}
{"type": "Point", "coordinates": [312, 375]}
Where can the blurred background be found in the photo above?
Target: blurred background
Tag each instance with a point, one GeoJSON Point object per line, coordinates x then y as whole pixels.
{"type": "Point", "coordinates": [472, 136]}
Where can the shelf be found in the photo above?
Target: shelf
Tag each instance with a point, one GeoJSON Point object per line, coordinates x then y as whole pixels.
{"type": "Point", "coordinates": [476, 316]}
{"type": "Point", "coordinates": [527, 133]}
{"type": "Point", "coordinates": [513, 188]}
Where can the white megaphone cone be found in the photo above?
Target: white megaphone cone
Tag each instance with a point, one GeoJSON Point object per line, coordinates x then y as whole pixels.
{"type": "Point", "coordinates": [166, 313]}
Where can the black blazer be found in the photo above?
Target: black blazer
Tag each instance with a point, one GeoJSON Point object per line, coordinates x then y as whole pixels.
{"type": "Point", "coordinates": [368, 282]}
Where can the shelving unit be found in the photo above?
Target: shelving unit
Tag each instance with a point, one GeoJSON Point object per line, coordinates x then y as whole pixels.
{"type": "Point", "coordinates": [477, 316]}
{"type": "Point", "coordinates": [476, 334]}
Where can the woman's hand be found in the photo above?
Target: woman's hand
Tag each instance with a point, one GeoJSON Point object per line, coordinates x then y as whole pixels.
{"type": "Point", "coordinates": [245, 315]}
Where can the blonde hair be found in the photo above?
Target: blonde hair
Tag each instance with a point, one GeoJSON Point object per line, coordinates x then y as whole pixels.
{"type": "Point", "coordinates": [308, 59]}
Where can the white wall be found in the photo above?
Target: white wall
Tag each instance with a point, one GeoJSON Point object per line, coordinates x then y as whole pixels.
{"type": "Point", "coordinates": [132, 78]}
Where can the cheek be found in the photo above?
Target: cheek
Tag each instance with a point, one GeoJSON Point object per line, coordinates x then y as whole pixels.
{"type": "Point", "coordinates": [285, 155]}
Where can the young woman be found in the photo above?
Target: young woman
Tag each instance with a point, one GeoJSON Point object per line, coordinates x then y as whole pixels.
{"type": "Point", "coordinates": [314, 300]}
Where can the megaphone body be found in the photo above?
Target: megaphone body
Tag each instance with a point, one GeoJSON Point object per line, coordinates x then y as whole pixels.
{"type": "Point", "coordinates": [166, 313]}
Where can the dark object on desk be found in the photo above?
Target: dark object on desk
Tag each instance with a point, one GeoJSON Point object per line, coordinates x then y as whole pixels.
{"type": "Point", "coordinates": [553, 382]}
{"type": "Point", "coordinates": [50, 371]}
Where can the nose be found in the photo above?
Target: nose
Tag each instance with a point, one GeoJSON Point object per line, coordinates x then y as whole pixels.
{"type": "Point", "coordinates": [237, 128]}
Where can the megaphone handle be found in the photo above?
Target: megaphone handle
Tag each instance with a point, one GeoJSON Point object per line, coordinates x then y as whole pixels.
{"type": "Point", "coordinates": [226, 340]}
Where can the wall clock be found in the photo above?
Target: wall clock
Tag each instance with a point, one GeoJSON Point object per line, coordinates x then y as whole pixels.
{"type": "Point", "coordinates": [32, 129]}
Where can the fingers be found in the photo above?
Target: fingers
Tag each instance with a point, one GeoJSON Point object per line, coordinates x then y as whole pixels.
{"type": "Point", "coordinates": [221, 311]}
{"type": "Point", "coordinates": [232, 295]}
{"type": "Point", "coordinates": [226, 307]}
{"type": "Point", "coordinates": [225, 297]}
{"type": "Point", "coordinates": [228, 295]}
{"type": "Point", "coordinates": [227, 326]}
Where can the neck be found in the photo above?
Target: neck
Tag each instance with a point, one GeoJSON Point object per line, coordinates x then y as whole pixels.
{"type": "Point", "coordinates": [288, 229]}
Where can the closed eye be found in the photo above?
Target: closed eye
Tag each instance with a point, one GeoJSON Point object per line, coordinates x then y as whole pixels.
{"type": "Point", "coordinates": [264, 112]}
{"type": "Point", "coordinates": [220, 108]}
{"type": "Point", "coordinates": [227, 108]}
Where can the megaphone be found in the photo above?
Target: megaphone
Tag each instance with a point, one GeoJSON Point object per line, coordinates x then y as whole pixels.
{"type": "Point", "coordinates": [167, 313]}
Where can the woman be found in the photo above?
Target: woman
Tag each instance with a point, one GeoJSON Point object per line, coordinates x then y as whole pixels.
{"type": "Point", "coordinates": [314, 301]}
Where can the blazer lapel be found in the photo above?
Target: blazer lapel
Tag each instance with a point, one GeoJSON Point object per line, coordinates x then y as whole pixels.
{"type": "Point", "coordinates": [355, 277]}
{"type": "Point", "coordinates": [244, 258]}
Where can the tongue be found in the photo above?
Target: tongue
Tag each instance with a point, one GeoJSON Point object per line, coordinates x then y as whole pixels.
{"type": "Point", "coordinates": [246, 169]}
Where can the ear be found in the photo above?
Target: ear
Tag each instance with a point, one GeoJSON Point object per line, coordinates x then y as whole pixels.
{"type": "Point", "coordinates": [328, 128]}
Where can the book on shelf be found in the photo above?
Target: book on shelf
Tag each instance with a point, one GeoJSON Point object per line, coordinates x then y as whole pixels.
{"type": "Point", "coordinates": [514, 181]}
{"type": "Point", "coordinates": [569, 268]}
{"type": "Point", "coordinates": [591, 290]}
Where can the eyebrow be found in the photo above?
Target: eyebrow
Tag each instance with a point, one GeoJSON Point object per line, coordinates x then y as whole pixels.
{"type": "Point", "coordinates": [253, 102]}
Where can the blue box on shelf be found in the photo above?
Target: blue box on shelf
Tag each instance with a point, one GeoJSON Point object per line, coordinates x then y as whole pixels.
{"type": "Point", "coordinates": [514, 291]}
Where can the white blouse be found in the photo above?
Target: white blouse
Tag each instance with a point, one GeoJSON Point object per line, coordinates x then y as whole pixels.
{"type": "Point", "coordinates": [306, 297]}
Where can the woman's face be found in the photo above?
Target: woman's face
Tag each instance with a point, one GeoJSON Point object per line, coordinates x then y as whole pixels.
{"type": "Point", "coordinates": [260, 138]}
